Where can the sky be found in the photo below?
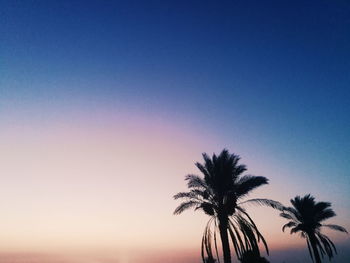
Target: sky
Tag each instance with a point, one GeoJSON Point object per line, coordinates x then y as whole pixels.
{"type": "Point", "coordinates": [105, 106]}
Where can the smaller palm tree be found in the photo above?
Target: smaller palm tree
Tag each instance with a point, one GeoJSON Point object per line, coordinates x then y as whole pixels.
{"type": "Point", "coordinates": [306, 217]}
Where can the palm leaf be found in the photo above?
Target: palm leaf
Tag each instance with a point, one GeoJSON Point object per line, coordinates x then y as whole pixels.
{"type": "Point", "coordinates": [325, 214]}
{"type": "Point", "coordinates": [295, 229]}
{"type": "Point", "coordinates": [249, 182]}
{"type": "Point", "coordinates": [236, 239]}
{"type": "Point", "coordinates": [190, 195]}
{"type": "Point", "coordinates": [287, 216]}
{"type": "Point", "coordinates": [264, 202]}
{"type": "Point", "coordinates": [184, 206]}
{"type": "Point", "coordinates": [289, 224]}
{"type": "Point", "coordinates": [215, 242]}
{"type": "Point", "coordinates": [336, 227]}
{"type": "Point", "coordinates": [259, 235]}
{"type": "Point", "coordinates": [194, 181]}
{"type": "Point", "coordinates": [206, 242]}
{"type": "Point", "coordinates": [310, 251]}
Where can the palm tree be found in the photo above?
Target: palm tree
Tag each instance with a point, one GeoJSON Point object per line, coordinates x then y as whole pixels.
{"type": "Point", "coordinates": [218, 194]}
{"type": "Point", "coordinates": [306, 217]}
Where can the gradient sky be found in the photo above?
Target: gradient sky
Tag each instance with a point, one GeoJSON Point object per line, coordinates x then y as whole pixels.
{"type": "Point", "coordinates": [106, 105]}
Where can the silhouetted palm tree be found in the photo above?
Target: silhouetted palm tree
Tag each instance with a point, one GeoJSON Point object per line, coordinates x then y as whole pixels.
{"type": "Point", "coordinates": [218, 195]}
{"type": "Point", "coordinates": [305, 217]}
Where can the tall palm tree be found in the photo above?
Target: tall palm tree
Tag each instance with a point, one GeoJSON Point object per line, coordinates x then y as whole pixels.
{"type": "Point", "coordinates": [306, 217]}
{"type": "Point", "coordinates": [218, 194]}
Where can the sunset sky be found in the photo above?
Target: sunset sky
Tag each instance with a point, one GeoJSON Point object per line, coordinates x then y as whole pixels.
{"type": "Point", "coordinates": [105, 106]}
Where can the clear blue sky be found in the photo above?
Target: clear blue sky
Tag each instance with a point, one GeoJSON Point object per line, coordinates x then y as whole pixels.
{"type": "Point", "coordinates": [271, 74]}
{"type": "Point", "coordinates": [277, 72]}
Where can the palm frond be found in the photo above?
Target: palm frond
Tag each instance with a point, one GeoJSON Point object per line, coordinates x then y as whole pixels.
{"type": "Point", "coordinates": [287, 216]}
{"type": "Point", "coordinates": [249, 182]}
{"type": "Point", "coordinates": [202, 169]}
{"type": "Point", "coordinates": [321, 206]}
{"type": "Point", "coordinates": [194, 194]}
{"type": "Point", "coordinates": [206, 247]}
{"type": "Point", "coordinates": [336, 227]}
{"type": "Point", "coordinates": [289, 224]}
{"type": "Point", "coordinates": [319, 246]}
{"type": "Point", "coordinates": [325, 214]}
{"type": "Point", "coordinates": [184, 206]}
{"type": "Point", "coordinates": [194, 181]}
{"type": "Point", "coordinates": [295, 215]}
{"type": "Point", "coordinates": [264, 202]}
{"type": "Point", "coordinates": [239, 169]}
{"type": "Point", "coordinates": [236, 239]}
{"type": "Point", "coordinates": [309, 248]}
{"type": "Point", "coordinates": [251, 242]}
{"type": "Point", "coordinates": [327, 245]}
{"type": "Point", "coordinates": [208, 163]}
{"type": "Point", "coordinates": [215, 242]}
{"type": "Point", "coordinates": [257, 232]}
{"type": "Point", "coordinates": [250, 231]}
{"type": "Point", "coordinates": [330, 242]}
{"type": "Point", "coordinates": [295, 229]}
{"type": "Point", "coordinates": [189, 195]}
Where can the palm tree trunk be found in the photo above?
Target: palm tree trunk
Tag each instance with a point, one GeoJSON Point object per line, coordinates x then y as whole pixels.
{"type": "Point", "coordinates": [314, 248]}
{"type": "Point", "coordinates": [223, 222]}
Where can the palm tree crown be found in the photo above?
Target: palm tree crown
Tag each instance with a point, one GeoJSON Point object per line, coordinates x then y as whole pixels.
{"type": "Point", "coordinates": [306, 217]}
{"type": "Point", "coordinates": [219, 195]}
